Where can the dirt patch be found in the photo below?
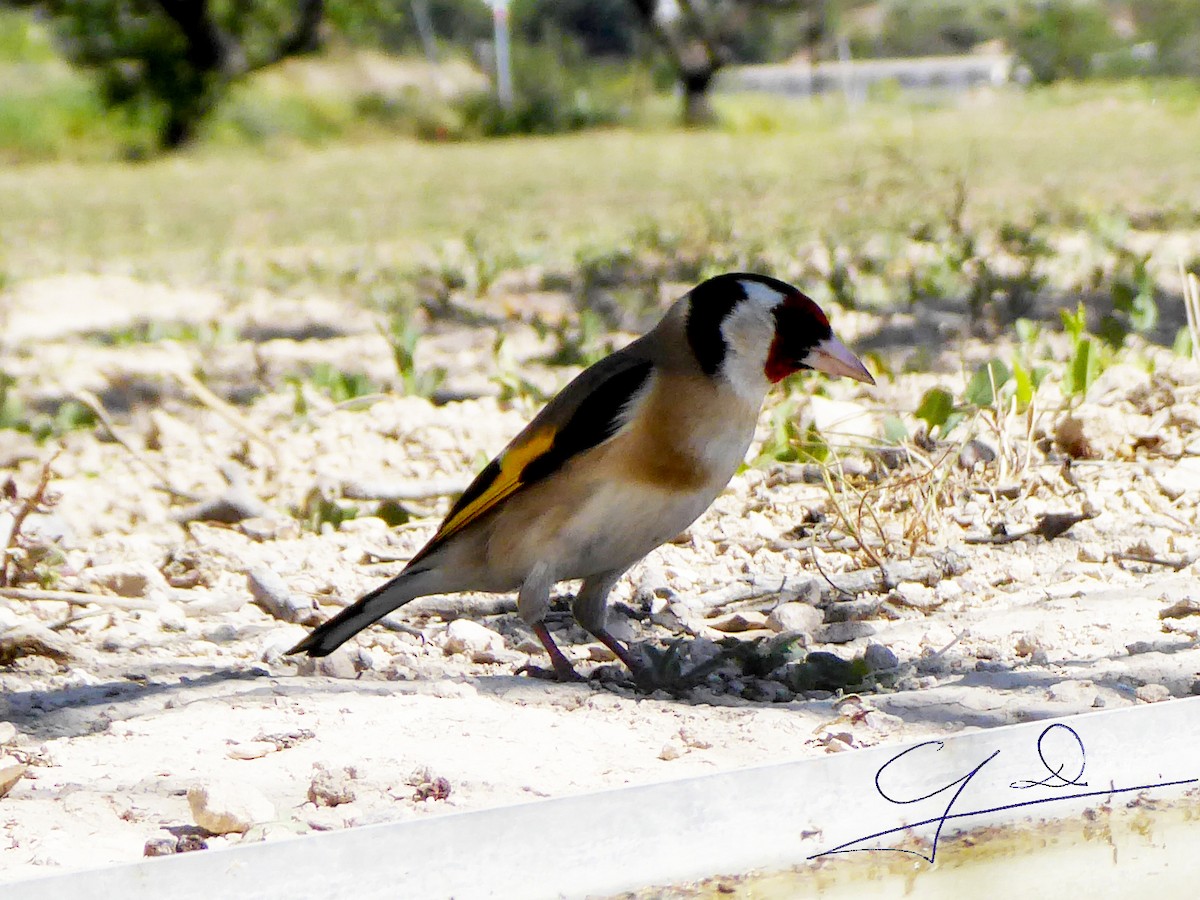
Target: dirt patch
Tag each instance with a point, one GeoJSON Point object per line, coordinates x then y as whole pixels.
{"type": "Point", "coordinates": [191, 536]}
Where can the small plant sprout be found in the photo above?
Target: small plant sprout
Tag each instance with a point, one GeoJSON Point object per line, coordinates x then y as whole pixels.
{"type": "Point", "coordinates": [403, 337]}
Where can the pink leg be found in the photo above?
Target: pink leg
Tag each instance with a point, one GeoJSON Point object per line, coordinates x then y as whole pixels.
{"type": "Point", "coordinates": [563, 670]}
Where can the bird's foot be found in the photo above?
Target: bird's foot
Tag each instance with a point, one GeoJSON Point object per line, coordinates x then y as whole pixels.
{"type": "Point", "coordinates": [566, 674]}
{"type": "Point", "coordinates": [563, 670]}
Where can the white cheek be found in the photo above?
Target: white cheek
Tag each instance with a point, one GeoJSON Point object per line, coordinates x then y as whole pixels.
{"type": "Point", "coordinates": [748, 333]}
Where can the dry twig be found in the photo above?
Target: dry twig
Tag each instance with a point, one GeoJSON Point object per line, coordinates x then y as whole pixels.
{"type": "Point", "coordinates": [32, 503]}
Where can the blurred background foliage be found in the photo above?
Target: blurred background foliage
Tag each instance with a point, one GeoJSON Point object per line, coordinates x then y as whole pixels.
{"type": "Point", "coordinates": [105, 78]}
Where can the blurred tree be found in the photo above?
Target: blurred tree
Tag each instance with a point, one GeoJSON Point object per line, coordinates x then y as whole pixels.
{"type": "Point", "coordinates": [172, 59]}
{"type": "Point", "coordinates": [931, 27]}
{"type": "Point", "coordinates": [699, 37]}
{"type": "Point", "coordinates": [1060, 38]}
{"type": "Point", "coordinates": [1173, 27]}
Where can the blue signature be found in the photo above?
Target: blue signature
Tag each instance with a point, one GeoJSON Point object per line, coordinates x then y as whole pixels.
{"type": "Point", "coordinates": [1074, 760]}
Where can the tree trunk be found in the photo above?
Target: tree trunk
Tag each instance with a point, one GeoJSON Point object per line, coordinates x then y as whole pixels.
{"type": "Point", "coordinates": [215, 57]}
{"type": "Point", "coordinates": [697, 106]}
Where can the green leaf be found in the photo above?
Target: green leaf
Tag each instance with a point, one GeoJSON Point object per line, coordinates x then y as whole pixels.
{"type": "Point", "coordinates": [1027, 331]}
{"type": "Point", "coordinates": [1183, 342]}
{"type": "Point", "coordinates": [988, 379]}
{"type": "Point", "coordinates": [894, 430]}
{"type": "Point", "coordinates": [1023, 379]}
{"type": "Point", "coordinates": [1143, 312]}
{"type": "Point", "coordinates": [812, 447]}
{"type": "Point", "coordinates": [935, 407]}
{"type": "Point", "coordinates": [1075, 323]}
{"type": "Point", "coordinates": [1082, 368]}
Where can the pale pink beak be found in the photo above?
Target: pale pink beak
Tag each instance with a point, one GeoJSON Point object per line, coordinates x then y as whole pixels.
{"type": "Point", "coordinates": [833, 357]}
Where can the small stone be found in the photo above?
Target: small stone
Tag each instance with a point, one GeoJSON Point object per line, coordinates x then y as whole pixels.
{"type": "Point", "coordinates": [854, 610]}
{"type": "Point", "coordinates": [652, 585]}
{"type": "Point", "coordinates": [8, 733]}
{"type": "Point", "coordinates": [1180, 609]}
{"type": "Point", "coordinates": [1081, 694]}
{"type": "Point", "coordinates": [762, 690]}
{"type": "Point", "coordinates": [916, 595]}
{"type": "Point", "coordinates": [1026, 644]}
{"type": "Point", "coordinates": [672, 749]}
{"type": "Point", "coordinates": [1181, 478]}
{"type": "Point", "coordinates": [171, 617]}
{"type": "Point", "coordinates": [600, 653]}
{"type": "Point", "coordinates": [843, 632]}
{"type": "Point", "coordinates": [273, 597]}
{"type": "Point", "coordinates": [10, 773]}
{"type": "Point", "coordinates": [795, 617]}
{"type": "Point", "coordinates": [226, 807]}
{"type": "Point", "coordinates": [737, 622]}
{"type": "Point", "coordinates": [332, 788]}
{"type": "Point", "coordinates": [465, 636]}
{"type": "Point", "coordinates": [1091, 552]}
{"type": "Point", "coordinates": [189, 843]}
{"type": "Point", "coordinates": [125, 579]}
{"type": "Point", "coordinates": [880, 658]}
{"type": "Point", "coordinates": [33, 640]}
{"type": "Point", "coordinates": [427, 785]}
{"type": "Point", "coordinates": [250, 750]}
{"type": "Point", "coordinates": [338, 664]}
{"type": "Point", "coordinates": [1092, 431]}
{"type": "Point", "coordinates": [1153, 693]}
{"type": "Point", "coordinates": [948, 590]}
{"type": "Point", "coordinates": [987, 651]}
{"type": "Point", "coordinates": [975, 452]}
{"type": "Point", "coordinates": [159, 847]}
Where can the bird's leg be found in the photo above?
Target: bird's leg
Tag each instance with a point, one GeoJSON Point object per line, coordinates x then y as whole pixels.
{"type": "Point", "coordinates": [590, 609]}
{"type": "Point", "coordinates": [532, 603]}
{"type": "Point", "coordinates": [563, 670]}
{"type": "Point", "coordinates": [622, 652]}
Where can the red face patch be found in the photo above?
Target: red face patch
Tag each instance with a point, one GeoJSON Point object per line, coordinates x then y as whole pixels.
{"type": "Point", "coordinates": [778, 365]}
{"type": "Point", "coordinates": [799, 326]}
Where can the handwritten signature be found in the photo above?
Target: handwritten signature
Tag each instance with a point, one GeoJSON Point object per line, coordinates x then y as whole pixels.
{"type": "Point", "coordinates": [1068, 753]}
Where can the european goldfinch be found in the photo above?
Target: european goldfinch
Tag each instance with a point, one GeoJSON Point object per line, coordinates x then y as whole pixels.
{"type": "Point", "coordinates": [623, 459]}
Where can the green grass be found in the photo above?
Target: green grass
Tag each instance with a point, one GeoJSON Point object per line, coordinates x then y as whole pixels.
{"type": "Point", "coordinates": [203, 214]}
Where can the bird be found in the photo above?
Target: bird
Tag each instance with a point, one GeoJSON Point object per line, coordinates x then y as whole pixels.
{"type": "Point", "coordinates": [623, 459]}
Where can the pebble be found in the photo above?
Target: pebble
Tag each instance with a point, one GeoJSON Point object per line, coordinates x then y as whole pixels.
{"type": "Point", "coordinates": [1179, 479]}
{"type": "Point", "coordinates": [10, 773]}
{"type": "Point", "coordinates": [764, 690]}
{"type": "Point", "coordinates": [33, 640]}
{"type": "Point", "coordinates": [8, 733]}
{"type": "Point", "coordinates": [251, 750]}
{"type": "Point", "coordinates": [737, 622]}
{"type": "Point", "coordinates": [125, 579]}
{"type": "Point", "coordinates": [854, 610]}
{"type": "Point", "coordinates": [795, 617]}
{"type": "Point", "coordinates": [171, 617]}
{"type": "Point", "coordinates": [1078, 693]}
{"type": "Point", "coordinates": [331, 787]}
{"type": "Point", "coordinates": [879, 658]}
{"type": "Point", "coordinates": [1026, 644]}
{"type": "Point", "coordinates": [672, 749]}
{"type": "Point", "coordinates": [975, 452]}
{"type": "Point", "coordinates": [226, 807]}
{"type": "Point", "coordinates": [1152, 693]}
{"type": "Point", "coordinates": [272, 596]}
{"type": "Point", "coordinates": [465, 636]}
{"type": "Point", "coordinates": [916, 595]}
{"type": "Point", "coordinates": [843, 632]}
{"type": "Point", "coordinates": [653, 585]}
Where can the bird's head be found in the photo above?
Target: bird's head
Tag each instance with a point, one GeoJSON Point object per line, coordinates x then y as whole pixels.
{"type": "Point", "coordinates": [753, 331]}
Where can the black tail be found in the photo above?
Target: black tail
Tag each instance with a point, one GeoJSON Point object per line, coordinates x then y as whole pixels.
{"type": "Point", "coordinates": [328, 636]}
